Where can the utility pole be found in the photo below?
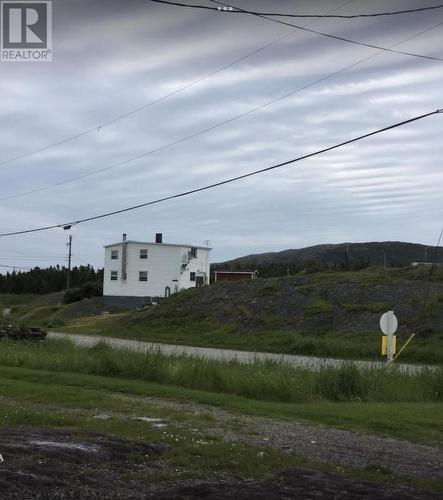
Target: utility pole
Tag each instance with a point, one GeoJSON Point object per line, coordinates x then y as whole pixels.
{"type": "Point", "coordinates": [348, 267]}
{"type": "Point", "coordinates": [69, 245]}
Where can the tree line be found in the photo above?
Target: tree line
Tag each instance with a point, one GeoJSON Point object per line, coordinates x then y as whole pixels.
{"type": "Point", "coordinates": [276, 270]}
{"type": "Point", "coordinates": [52, 279]}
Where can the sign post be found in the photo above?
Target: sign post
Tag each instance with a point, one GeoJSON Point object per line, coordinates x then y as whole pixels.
{"type": "Point", "coordinates": [388, 325]}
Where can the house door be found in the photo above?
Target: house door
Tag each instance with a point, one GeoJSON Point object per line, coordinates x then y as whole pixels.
{"type": "Point", "coordinates": [199, 282]}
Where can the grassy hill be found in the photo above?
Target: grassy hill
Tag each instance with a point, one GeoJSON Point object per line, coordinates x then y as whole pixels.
{"type": "Point", "coordinates": [323, 314]}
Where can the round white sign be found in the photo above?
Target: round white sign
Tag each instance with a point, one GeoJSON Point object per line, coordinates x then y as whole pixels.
{"type": "Point", "coordinates": [388, 323]}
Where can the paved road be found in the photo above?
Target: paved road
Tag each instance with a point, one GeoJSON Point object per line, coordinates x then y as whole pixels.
{"type": "Point", "coordinates": [310, 362]}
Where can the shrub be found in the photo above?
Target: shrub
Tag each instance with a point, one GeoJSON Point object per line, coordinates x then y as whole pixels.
{"type": "Point", "coordinates": [342, 384]}
{"type": "Point", "coordinates": [54, 323]}
{"type": "Point", "coordinates": [317, 306]}
{"type": "Point", "coordinates": [86, 291]}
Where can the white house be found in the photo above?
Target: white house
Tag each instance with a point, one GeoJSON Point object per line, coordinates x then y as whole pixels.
{"type": "Point", "coordinates": [135, 272]}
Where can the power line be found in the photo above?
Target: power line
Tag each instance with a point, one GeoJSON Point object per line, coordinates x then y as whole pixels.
{"type": "Point", "coordinates": [319, 16]}
{"type": "Point", "coordinates": [214, 126]}
{"type": "Point", "coordinates": [100, 126]}
{"type": "Point", "coordinates": [75, 256]}
{"type": "Point", "coordinates": [15, 267]}
{"type": "Point", "coordinates": [29, 255]}
{"type": "Point", "coordinates": [27, 259]}
{"type": "Point", "coordinates": [334, 37]}
{"type": "Point", "coordinates": [224, 182]}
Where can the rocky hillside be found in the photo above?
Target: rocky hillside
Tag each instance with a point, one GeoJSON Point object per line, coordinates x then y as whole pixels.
{"type": "Point", "coordinates": [396, 254]}
{"type": "Point", "coordinates": [312, 304]}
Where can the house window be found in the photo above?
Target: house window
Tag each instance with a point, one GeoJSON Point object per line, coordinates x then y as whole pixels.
{"type": "Point", "coordinates": [114, 275]}
{"type": "Point", "coordinates": [193, 253]}
{"type": "Point", "coordinates": [192, 276]}
{"type": "Point", "coordinates": [114, 254]}
{"type": "Point", "coordinates": [143, 276]}
{"type": "Point", "coordinates": [143, 253]}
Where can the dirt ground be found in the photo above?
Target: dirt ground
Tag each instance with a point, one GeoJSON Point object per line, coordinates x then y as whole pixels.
{"type": "Point", "coordinates": [318, 443]}
{"type": "Point", "coordinates": [298, 484]}
{"type": "Point", "coordinates": [55, 464]}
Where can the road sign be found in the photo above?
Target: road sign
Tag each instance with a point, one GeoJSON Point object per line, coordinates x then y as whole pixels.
{"type": "Point", "coordinates": [388, 323]}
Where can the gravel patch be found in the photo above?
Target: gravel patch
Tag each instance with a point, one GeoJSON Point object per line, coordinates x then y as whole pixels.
{"type": "Point", "coordinates": [319, 443]}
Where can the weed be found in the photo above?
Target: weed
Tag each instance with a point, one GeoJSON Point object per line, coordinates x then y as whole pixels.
{"type": "Point", "coordinates": [265, 380]}
{"type": "Point", "coordinates": [317, 306]}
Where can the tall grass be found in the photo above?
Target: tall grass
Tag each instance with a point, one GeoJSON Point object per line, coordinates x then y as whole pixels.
{"type": "Point", "coordinates": [269, 381]}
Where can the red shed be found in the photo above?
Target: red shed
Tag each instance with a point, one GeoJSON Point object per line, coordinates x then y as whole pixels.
{"type": "Point", "coordinates": [234, 275]}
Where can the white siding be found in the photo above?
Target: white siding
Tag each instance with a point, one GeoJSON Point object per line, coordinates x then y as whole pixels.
{"type": "Point", "coordinates": [164, 266]}
{"type": "Point", "coordinates": [198, 265]}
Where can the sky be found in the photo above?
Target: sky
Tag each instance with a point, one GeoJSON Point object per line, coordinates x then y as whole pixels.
{"type": "Point", "coordinates": [111, 57]}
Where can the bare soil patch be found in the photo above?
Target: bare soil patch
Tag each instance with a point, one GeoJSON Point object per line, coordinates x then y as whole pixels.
{"type": "Point", "coordinates": [318, 443]}
{"type": "Point", "coordinates": [54, 463]}
{"type": "Point", "coordinates": [297, 484]}
{"type": "Point", "coordinates": [57, 464]}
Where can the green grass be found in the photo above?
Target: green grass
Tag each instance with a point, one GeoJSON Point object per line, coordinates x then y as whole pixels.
{"type": "Point", "coordinates": [192, 455]}
{"type": "Point", "coordinates": [62, 395]}
{"type": "Point", "coordinates": [173, 322]}
{"type": "Point", "coordinates": [11, 299]}
{"type": "Point", "coordinates": [268, 381]}
{"type": "Point", "coordinates": [203, 333]}
{"type": "Point", "coordinates": [374, 307]}
{"type": "Point", "coordinates": [375, 275]}
{"type": "Point", "coordinates": [37, 315]}
{"type": "Point", "coordinates": [25, 302]}
{"type": "Point", "coordinates": [431, 308]}
{"type": "Point", "coordinates": [317, 306]}
{"type": "Point", "coordinates": [46, 316]}
{"type": "Point", "coordinates": [418, 422]}
{"type": "Point", "coordinates": [38, 401]}
{"type": "Point", "coordinates": [55, 384]}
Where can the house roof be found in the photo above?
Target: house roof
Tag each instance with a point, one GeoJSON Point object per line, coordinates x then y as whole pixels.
{"type": "Point", "coordinates": [156, 244]}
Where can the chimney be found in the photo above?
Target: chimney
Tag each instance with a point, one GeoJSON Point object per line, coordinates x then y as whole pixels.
{"type": "Point", "coordinates": [124, 236]}
{"type": "Point", "coordinates": [159, 238]}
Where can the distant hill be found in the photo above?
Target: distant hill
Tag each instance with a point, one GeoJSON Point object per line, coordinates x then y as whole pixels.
{"type": "Point", "coordinates": [396, 253]}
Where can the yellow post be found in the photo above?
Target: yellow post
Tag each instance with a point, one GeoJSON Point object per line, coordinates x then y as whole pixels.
{"type": "Point", "coordinates": [384, 345]}
{"type": "Point", "coordinates": [404, 346]}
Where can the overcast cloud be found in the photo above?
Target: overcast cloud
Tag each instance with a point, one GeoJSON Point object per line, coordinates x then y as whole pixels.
{"type": "Point", "coordinates": [113, 56]}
